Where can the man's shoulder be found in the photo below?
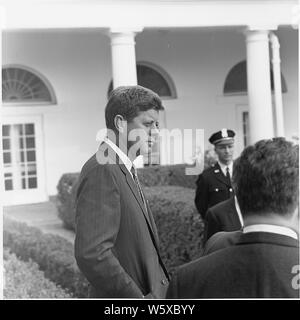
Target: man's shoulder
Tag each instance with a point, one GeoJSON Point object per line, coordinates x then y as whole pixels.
{"type": "Point", "coordinates": [221, 240]}
{"type": "Point", "coordinates": [94, 164]}
{"type": "Point", "coordinates": [90, 165]}
{"type": "Point", "coordinates": [205, 263]}
{"type": "Point", "coordinates": [211, 170]}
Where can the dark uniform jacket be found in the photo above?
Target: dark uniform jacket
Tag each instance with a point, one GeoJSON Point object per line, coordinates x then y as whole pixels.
{"type": "Point", "coordinates": [259, 265]}
{"type": "Point", "coordinates": [212, 187]}
{"type": "Point", "coordinates": [116, 244]}
{"type": "Point", "coordinates": [221, 217]}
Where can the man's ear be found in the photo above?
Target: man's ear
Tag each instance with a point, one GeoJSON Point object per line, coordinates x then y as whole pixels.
{"type": "Point", "coordinates": [120, 123]}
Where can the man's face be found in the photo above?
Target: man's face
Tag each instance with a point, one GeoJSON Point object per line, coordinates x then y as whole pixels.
{"type": "Point", "coordinates": [142, 132]}
{"type": "Point", "coordinates": [225, 152]}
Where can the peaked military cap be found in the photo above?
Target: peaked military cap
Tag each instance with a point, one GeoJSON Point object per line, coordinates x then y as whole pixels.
{"type": "Point", "coordinates": [222, 135]}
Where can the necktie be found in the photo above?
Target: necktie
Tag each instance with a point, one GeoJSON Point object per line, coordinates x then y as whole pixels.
{"type": "Point", "coordinates": [137, 182]}
{"type": "Point", "coordinates": [228, 174]}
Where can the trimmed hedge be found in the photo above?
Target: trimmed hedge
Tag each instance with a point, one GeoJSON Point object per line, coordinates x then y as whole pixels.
{"type": "Point", "coordinates": [53, 254]}
{"type": "Point", "coordinates": [179, 225]}
{"type": "Point", "coordinates": [24, 280]}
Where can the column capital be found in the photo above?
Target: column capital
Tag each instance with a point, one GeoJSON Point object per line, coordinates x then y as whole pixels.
{"type": "Point", "coordinates": [125, 30]}
{"type": "Point", "coordinates": [121, 36]}
{"type": "Point", "coordinates": [257, 35]}
{"type": "Point", "coordinates": [266, 27]}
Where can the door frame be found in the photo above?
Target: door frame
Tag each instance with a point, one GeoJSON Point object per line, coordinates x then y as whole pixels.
{"type": "Point", "coordinates": [16, 197]}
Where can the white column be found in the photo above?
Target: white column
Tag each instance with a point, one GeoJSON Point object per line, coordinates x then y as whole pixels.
{"type": "Point", "coordinates": [277, 85]}
{"type": "Point", "coordinates": [123, 57]}
{"type": "Point", "coordinates": [259, 85]}
{"type": "Point", "coordinates": [2, 16]}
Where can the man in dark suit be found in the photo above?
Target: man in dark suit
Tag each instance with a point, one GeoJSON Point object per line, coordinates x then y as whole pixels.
{"type": "Point", "coordinates": [214, 183]}
{"type": "Point", "coordinates": [224, 216]}
{"type": "Point", "coordinates": [116, 244]}
{"type": "Point", "coordinates": [264, 261]}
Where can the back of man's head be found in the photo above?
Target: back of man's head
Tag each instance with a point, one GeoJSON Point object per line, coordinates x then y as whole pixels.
{"type": "Point", "coordinates": [266, 178]}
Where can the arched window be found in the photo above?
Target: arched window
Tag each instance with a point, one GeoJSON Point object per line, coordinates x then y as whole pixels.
{"type": "Point", "coordinates": [20, 85]}
{"type": "Point", "coordinates": [236, 80]}
{"type": "Point", "coordinates": [153, 77]}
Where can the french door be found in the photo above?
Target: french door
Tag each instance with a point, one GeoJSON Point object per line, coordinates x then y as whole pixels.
{"type": "Point", "coordinates": [23, 161]}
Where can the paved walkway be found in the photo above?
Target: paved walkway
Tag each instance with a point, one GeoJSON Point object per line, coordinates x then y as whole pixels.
{"type": "Point", "coordinates": [41, 215]}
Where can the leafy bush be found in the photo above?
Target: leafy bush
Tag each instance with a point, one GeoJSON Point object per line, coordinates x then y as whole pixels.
{"type": "Point", "coordinates": [24, 280]}
{"type": "Point", "coordinates": [179, 225]}
{"type": "Point", "coordinates": [153, 176]}
{"type": "Point", "coordinates": [53, 254]}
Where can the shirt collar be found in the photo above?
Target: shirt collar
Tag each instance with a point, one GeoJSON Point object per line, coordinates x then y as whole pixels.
{"type": "Point", "coordinates": [127, 162]}
{"type": "Point", "coordinates": [272, 229]}
{"type": "Point", "coordinates": [238, 210]}
{"type": "Point", "coordinates": [224, 166]}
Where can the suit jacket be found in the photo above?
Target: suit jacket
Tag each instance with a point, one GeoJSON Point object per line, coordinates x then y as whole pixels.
{"type": "Point", "coordinates": [221, 217]}
{"type": "Point", "coordinates": [212, 187]}
{"type": "Point", "coordinates": [116, 243]}
{"type": "Point", "coordinates": [259, 266]}
{"type": "Point", "coordinates": [221, 240]}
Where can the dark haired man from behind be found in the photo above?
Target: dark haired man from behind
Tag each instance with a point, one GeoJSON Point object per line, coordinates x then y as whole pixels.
{"type": "Point", "coordinates": [116, 244]}
{"type": "Point", "coordinates": [264, 261]}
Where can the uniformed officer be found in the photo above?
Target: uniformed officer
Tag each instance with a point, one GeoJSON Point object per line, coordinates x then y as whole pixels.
{"type": "Point", "coordinates": [214, 183]}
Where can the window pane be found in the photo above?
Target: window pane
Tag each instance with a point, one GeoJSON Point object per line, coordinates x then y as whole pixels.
{"type": "Point", "coordinates": [21, 143]}
{"type": "Point", "coordinates": [22, 156]}
{"type": "Point", "coordinates": [6, 144]}
{"type": "Point", "coordinates": [8, 175]}
{"type": "Point", "coordinates": [32, 183]}
{"type": "Point", "coordinates": [23, 183]}
{"type": "Point", "coordinates": [22, 85]}
{"type": "Point", "coordinates": [8, 185]}
{"type": "Point", "coordinates": [31, 169]}
{"type": "Point", "coordinates": [30, 155]}
{"type": "Point", "coordinates": [30, 143]}
{"type": "Point", "coordinates": [29, 128]}
{"type": "Point", "coordinates": [6, 157]}
{"type": "Point", "coordinates": [5, 131]}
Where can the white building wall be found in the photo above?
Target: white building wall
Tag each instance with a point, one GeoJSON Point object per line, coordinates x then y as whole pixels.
{"type": "Point", "coordinates": [78, 65]}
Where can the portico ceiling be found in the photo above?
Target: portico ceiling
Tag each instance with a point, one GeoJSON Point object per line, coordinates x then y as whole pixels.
{"type": "Point", "coordinates": [136, 15]}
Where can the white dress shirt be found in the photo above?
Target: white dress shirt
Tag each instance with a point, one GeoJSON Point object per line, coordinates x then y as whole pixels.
{"type": "Point", "coordinates": [127, 162]}
{"type": "Point", "coordinates": [272, 229]}
{"type": "Point", "coordinates": [224, 166]}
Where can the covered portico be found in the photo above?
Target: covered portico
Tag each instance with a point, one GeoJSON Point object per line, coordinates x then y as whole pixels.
{"type": "Point", "coordinates": [123, 20]}
{"type": "Point", "coordinates": [80, 46]}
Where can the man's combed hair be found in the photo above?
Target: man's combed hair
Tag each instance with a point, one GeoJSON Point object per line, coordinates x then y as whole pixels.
{"type": "Point", "coordinates": [266, 177]}
{"type": "Point", "coordinates": [128, 101]}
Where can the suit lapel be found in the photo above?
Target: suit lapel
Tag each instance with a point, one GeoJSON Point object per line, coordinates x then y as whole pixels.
{"type": "Point", "coordinates": [137, 196]}
{"type": "Point", "coordinates": [105, 152]}
{"type": "Point", "coordinates": [220, 176]}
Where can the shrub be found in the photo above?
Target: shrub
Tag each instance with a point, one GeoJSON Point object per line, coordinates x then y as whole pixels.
{"type": "Point", "coordinates": [24, 280]}
{"type": "Point", "coordinates": [53, 254]}
{"type": "Point", "coordinates": [174, 175]}
{"type": "Point", "coordinates": [179, 225]}
{"type": "Point", "coordinates": [65, 198]}
{"type": "Point", "coordinates": [148, 176]}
